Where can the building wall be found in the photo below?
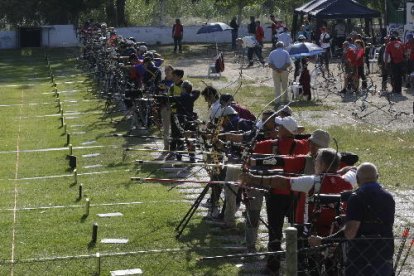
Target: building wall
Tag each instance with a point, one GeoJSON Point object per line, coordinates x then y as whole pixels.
{"type": "Point", "coordinates": [65, 36]}
{"type": "Point", "coordinates": [8, 40]}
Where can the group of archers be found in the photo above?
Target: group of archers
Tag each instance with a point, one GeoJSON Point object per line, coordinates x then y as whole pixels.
{"type": "Point", "coordinates": [296, 170]}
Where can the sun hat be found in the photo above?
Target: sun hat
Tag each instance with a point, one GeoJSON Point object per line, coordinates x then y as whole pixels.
{"type": "Point", "coordinates": [321, 138]}
{"type": "Point", "coordinates": [287, 122]}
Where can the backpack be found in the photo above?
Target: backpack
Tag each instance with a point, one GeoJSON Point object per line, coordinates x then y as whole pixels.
{"type": "Point", "coordinates": [219, 64]}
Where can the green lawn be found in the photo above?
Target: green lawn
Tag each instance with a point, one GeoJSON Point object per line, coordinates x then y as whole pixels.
{"type": "Point", "coordinates": [30, 120]}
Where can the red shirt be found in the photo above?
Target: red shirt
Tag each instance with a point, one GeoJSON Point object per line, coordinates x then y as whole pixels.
{"type": "Point", "coordinates": [358, 59]}
{"type": "Point", "coordinates": [177, 30]}
{"type": "Point", "coordinates": [409, 49]}
{"type": "Point", "coordinates": [283, 146]}
{"type": "Point", "coordinates": [331, 184]}
{"type": "Point", "coordinates": [243, 112]}
{"type": "Point", "coordinates": [396, 50]}
{"type": "Point", "coordinates": [259, 34]}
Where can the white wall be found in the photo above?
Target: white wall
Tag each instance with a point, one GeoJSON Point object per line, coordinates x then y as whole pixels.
{"type": "Point", "coordinates": [59, 36]}
{"type": "Point", "coordinates": [8, 40]}
{"type": "Point", "coordinates": [65, 35]}
{"type": "Point", "coordinates": [162, 35]}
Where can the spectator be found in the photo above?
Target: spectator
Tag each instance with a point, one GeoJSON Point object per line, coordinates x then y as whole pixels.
{"type": "Point", "coordinates": [251, 28]}
{"type": "Point", "coordinates": [358, 63]}
{"type": "Point", "coordinates": [285, 37]}
{"type": "Point", "coordinates": [234, 32]}
{"type": "Point", "coordinates": [339, 33]}
{"type": "Point", "coordinates": [177, 35]}
{"type": "Point", "coordinates": [409, 52]}
{"type": "Point", "coordinates": [279, 62]}
{"type": "Point", "coordinates": [368, 231]}
{"type": "Point", "coordinates": [325, 43]}
{"type": "Point", "coordinates": [383, 64]}
{"type": "Point", "coordinates": [257, 33]}
{"type": "Point", "coordinates": [395, 52]}
{"type": "Point", "coordinates": [273, 31]}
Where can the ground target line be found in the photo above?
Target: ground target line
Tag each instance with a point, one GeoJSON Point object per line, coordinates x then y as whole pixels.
{"type": "Point", "coordinates": [64, 175]}
{"type": "Point", "coordinates": [93, 205]}
{"type": "Point", "coordinates": [128, 253]}
{"type": "Point", "coordinates": [16, 173]}
{"type": "Point", "coordinates": [58, 149]}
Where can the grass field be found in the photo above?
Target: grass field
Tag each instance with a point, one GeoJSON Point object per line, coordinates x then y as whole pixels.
{"type": "Point", "coordinates": [44, 229]}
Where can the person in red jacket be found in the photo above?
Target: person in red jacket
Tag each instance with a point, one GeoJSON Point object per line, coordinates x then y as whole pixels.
{"type": "Point", "coordinates": [279, 202]}
{"type": "Point", "coordinates": [394, 51]}
{"type": "Point", "coordinates": [409, 52]}
{"type": "Point", "coordinates": [177, 35]}
{"type": "Point", "coordinates": [358, 63]}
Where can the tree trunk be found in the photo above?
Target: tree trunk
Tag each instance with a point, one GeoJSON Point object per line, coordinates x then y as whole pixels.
{"type": "Point", "coordinates": [120, 12]}
{"type": "Point", "coordinates": [110, 13]}
{"type": "Point", "coordinates": [239, 13]}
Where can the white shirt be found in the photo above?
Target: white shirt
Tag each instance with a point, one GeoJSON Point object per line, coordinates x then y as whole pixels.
{"type": "Point", "coordinates": [214, 111]}
{"type": "Point", "coordinates": [306, 183]}
{"type": "Point", "coordinates": [324, 36]}
{"type": "Point", "coordinates": [285, 38]}
{"type": "Point", "coordinates": [279, 58]}
{"type": "Point", "coordinates": [249, 42]}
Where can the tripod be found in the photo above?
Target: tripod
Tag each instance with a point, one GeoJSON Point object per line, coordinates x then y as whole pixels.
{"type": "Point", "coordinates": [187, 217]}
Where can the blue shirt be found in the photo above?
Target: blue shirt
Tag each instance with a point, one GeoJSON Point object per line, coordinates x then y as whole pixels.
{"type": "Point", "coordinates": [280, 58]}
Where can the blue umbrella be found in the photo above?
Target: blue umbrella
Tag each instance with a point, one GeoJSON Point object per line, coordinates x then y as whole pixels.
{"type": "Point", "coordinates": [214, 27]}
{"type": "Point", "coordinates": [304, 49]}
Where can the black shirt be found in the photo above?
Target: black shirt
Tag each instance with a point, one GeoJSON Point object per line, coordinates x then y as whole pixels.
{"type": "Point", "coordinates": [374, 244]}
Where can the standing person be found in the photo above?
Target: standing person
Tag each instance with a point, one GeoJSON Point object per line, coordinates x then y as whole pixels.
{"type": "Point", "coordinates": [358, 63]}
{"type": "Point", "coordinates": [165, 108]}
{"type": "Point", "coordinates": [395, 52]}
{"type": "Point", "coordinates": [251, 28]}
{"type": "Point", "coordinates": [212, 97]}
{"type": "Point", "coordinates": [368, 231]}
{"type": "Point", "coordinates": [383, 64]}
{"type": "Point", "coordinates": [234, 32]}
{"type": "Point", "coordinates": [177, 35]}
{"type": "Point", "coordinates": [325, 43]}
{"type": "Point", "coordinates": [409, 51]}
{"type": "Point", "coordinates": [285, 37]}
{"type": "Point", "coordinates": [252, 44]}
{"type": "Point", "coordinates": [273, 31]}
{"type": "Point", "coordinates": [279, 62]}
{"type": "Point", "coordinates": [339, 33]}
{"type": "Point", "coordinates": [279, 201]}
{"type": "Point", "coordinates": [297, 62]}
{"type": "Point", "coordinates": [260, 40]}
{"type": "Point", "coordinates": [182, 120]}
{"type": "Point", "coordinates": [175, 90]}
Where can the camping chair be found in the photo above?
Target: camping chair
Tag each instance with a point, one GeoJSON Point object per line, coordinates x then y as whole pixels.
{"type": "Point", "coordinates": [215, 69]}
{"type": "Point", "coordinates": [373, 59]}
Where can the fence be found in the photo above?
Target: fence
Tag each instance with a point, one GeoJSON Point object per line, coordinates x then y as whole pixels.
{"type": "Point", "coordinates": [332, 259]}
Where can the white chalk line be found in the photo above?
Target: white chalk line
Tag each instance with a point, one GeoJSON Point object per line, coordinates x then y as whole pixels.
{"type": "Point", "coordinates": [93, 205]}
{"type": "Point", "coordinates": [67, 114]}
{"type": "Point", "coordinates": [16, 173]}
{"type": "Point", "coordinates": [57, 149]}
{"type": "Point", "coordinates": [65, 175]}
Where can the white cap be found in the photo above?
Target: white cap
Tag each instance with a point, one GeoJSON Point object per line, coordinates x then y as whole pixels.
{"type": "Point", "coordinates": [228, 110]}
{"type": "Point", "coordinates": [143, 48]}
{"type": "Point", "coordinates": [287, 122]}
